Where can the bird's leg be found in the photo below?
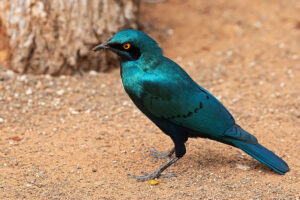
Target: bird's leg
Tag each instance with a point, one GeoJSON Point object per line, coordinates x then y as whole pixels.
{"type": "Point", "coordinates": [179, 152]}
{"type": "Point", "coordinates": [157, 154]}
{"type": "Point", "coordinates": [157, 173]}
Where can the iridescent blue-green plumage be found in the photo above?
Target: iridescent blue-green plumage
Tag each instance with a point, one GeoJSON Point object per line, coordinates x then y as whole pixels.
{"type": "Point", "coordinates": [181, 108]}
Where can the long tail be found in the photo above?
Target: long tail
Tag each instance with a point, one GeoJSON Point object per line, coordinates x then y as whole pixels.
{"type": "Point", "coordinates": [263, 155]}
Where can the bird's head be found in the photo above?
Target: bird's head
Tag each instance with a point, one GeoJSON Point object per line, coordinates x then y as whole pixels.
{"type": "Point", "coordinates": [131, 45]}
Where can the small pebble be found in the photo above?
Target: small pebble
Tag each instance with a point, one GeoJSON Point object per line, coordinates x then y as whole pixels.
{"type": "Point", "coordinates": [29, 92]}
{"type": "Point", "coordinates": [242, 167]}
{"type": "Point", "coordinates": [93, 73]}
{"type": "Point", "coordinates": [60, 92]}
{"type": "Point", "coordinates": [73, 112]}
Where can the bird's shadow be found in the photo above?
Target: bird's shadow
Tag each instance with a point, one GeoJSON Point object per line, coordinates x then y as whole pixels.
{"type": "Point", "coordinates": [218, 161]}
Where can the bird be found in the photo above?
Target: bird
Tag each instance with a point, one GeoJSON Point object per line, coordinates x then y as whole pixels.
{"type": "Point", "coordinates": [175, 103]}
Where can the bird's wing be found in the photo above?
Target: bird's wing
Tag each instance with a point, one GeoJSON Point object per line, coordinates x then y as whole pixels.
{"type": "Point", "coordinates": [178, 99]}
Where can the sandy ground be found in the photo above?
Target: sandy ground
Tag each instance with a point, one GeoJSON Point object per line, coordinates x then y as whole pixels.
{"type": "Point", "coordinates": [78, 137]}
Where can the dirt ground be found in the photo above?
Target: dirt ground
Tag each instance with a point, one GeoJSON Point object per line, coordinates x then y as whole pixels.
{"type": "Point", "coordinates": [78, 137]}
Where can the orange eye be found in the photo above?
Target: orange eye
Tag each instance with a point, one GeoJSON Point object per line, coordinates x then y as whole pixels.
{"type": "Point", "coordinates": [126, 46]}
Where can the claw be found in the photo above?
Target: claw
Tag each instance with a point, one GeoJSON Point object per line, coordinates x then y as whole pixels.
{"type": "Point", "coordinates": [168, 175]}
{"type": "Point", "coordinates": [157, 154]}
{"type": "Point", "coordinates": [144, 173]}
{"type": "Point", "coordinates": [144, 178]}
{"type": "Point", "coordinates": [148, 177]}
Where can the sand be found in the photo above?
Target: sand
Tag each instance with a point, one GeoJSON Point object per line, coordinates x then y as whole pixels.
{"type": "Point", "coordinates": [77, 137]}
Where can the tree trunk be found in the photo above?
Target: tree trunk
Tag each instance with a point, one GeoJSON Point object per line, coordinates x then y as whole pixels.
{"type": "Point", "coordinates": [55, 37]}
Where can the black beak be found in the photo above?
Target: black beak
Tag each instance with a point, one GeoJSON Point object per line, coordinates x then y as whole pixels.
{"type": "Point", "coordinates": [101, 46]}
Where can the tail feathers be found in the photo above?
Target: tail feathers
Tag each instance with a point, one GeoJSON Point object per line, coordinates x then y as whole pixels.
{"type": "Point", "coordinates": [237, 133]}
{"type": "Point", "coordinates": [263, 155]}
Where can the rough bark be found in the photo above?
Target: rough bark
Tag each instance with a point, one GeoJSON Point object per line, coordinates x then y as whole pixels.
{"type": "Point", "coordinates": [55, 37]}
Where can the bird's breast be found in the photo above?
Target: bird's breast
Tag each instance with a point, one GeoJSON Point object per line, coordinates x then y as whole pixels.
{"type": "Point", "coordinates": [131, 79]}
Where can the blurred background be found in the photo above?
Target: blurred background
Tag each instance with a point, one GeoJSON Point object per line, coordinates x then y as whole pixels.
{"type": "Point", "coordinates": [69, 131]}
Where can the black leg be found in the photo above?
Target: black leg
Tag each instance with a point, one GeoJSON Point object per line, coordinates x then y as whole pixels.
{"type": "Point", "coordinates": [179, 151]}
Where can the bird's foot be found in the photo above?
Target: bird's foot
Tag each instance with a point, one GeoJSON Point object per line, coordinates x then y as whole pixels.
{"type": "Point", "coordinates": [157, 173]}
{"type": "Point", "coordinates": [157, 154]}
{"type": "Point", "coordinates": [148, 177]}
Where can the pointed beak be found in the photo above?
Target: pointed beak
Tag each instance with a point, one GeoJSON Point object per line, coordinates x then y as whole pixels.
{"type": "Point", "coordinates": [101, 46]}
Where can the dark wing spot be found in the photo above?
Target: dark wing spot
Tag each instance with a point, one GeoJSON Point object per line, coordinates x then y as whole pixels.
{"type": "Point", "coordinates": [207, 97]}
{"type": "Point", "coordinates": [188, 114]}
{"type": "Point", "coordinates": [201, 105]}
